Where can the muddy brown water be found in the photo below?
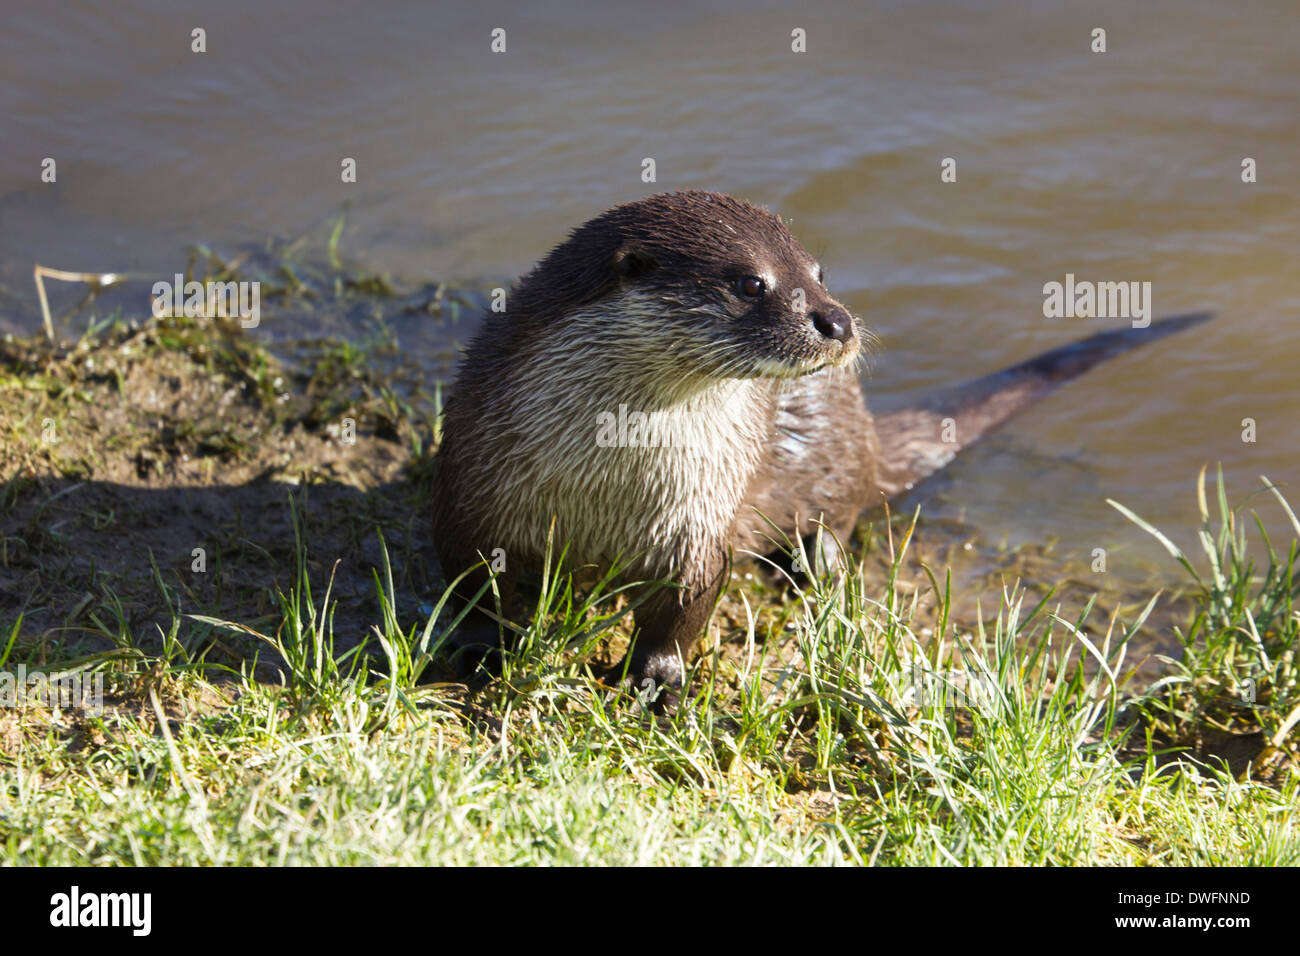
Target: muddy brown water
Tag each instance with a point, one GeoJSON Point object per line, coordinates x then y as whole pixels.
{"type": "Point", "coordinates": [1117, 166]}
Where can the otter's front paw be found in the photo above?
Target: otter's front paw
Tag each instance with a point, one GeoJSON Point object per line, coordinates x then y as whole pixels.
{"type": "Point", "coordinates": [657, 682]}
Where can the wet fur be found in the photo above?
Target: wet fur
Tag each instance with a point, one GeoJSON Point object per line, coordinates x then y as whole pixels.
{"type": "Point", "coordinates": [638, 308]}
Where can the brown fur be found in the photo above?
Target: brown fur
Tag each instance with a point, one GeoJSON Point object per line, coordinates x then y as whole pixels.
{"type": "Point", "coordinates": [642, 307]}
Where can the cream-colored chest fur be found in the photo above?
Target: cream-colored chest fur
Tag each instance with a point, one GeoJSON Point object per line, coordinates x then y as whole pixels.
{"type": "Point", "coordinates": [655, 481]}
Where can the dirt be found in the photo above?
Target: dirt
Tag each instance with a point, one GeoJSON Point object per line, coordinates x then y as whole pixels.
{"type": "Point", "coordinates": [164, 465]}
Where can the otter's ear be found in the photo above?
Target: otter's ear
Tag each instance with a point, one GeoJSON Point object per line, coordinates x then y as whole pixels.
{"type": "Point", "coordinates": [631, 263]}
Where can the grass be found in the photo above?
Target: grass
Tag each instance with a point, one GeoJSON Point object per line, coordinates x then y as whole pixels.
{"type": "Point", "coordinates": [284, 706]}
{"type": "Point", "coordinates": [837, 733]}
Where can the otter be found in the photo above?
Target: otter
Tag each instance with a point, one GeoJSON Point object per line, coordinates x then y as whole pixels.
{"type": "Point", "coordinates": [700, 325]}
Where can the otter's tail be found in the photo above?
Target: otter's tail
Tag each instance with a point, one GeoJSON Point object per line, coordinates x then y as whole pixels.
{"type": "Point", "coordinates": [916, 442]}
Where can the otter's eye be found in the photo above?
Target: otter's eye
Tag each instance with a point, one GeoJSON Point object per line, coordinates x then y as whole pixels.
{"type": "Point", "coordinates": [821, 277]}
{"type": "Point", "coordinates": [751, 287]}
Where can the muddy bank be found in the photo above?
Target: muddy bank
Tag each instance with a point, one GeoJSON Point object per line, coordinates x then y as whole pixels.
{"type": "Point", "coordinates": [160, 468]}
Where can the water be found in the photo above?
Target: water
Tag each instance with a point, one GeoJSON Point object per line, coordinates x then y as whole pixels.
{"type": "Point", "coordinates": [1117, 166]}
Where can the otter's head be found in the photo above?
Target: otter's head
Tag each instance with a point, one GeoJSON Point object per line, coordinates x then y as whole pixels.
{"type": "Point", "coordinates": [698, 280]}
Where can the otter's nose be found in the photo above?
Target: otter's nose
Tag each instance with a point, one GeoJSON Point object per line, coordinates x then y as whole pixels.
{"type": "Point", "coordinates": [834, 323]}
